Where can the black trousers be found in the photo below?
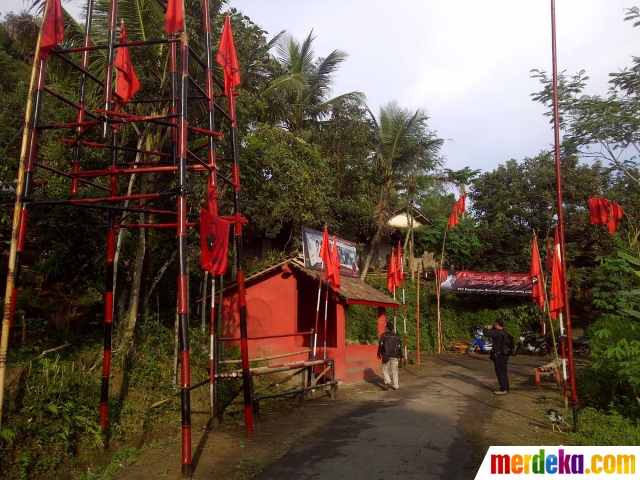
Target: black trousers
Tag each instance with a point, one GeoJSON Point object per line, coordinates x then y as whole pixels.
{"type": "Point", "coordinates": [500, 364]}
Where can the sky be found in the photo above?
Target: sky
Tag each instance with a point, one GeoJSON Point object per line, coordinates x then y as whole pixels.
{"type": "Point", "coordinates": [466, 63]}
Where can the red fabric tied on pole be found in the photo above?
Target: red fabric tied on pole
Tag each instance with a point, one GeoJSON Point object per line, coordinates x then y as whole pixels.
{"type": "Point", "coordinates": [537, 290]}
{"type": "Point", "coordinates": [458, 209]}
{"type": "Point", "coordinates": [599, 210]}
{"type": "Point", "coordinates": [174, 20]}
{"type": "Point", "coordinates": [52, 29]}
{"type": "Point", "coordinates": [214, 242]}
{"type": "Point", "coordinates": [128, 83]}
{"type": "Point", "coordinates": [333, 275]}
{"type": "Point", "coordinates": [212, 196]}
{"type": "Point", "coordinates": [460, 205]}
{"type": "Point", "coordinates": [391, 274]}
{"type": "Point", "coordinates": [399, 275]}
{"type": "Point", "coordinates": [549, 259]}
{"type": "Point", "coordinates": [556, 296]}
{"type": "Point", "coordinates": [615, 214]}
{"type": "Point", "coordinates": [228, 59]}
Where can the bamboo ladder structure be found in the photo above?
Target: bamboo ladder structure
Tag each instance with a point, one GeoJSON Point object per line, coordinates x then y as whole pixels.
{"type": "Point", "coordinates": [192, 85]}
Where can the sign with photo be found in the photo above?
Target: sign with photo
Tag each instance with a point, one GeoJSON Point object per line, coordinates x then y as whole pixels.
{"type": "Point", "coordinates": [311, 243]}
{"type": "Point", "coordinates": [462, 281]}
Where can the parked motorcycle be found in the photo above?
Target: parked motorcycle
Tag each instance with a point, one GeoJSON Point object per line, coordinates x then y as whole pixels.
{"type": "Point", "coordinates": [580, 347]}
{"type": "Point", "coordinates": [478, 342]}
{"type": "Point", "coordinates": [537, 345]}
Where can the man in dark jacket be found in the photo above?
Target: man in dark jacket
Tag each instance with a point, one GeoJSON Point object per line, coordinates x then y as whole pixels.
{"type": "Point", "coordinates": [500, 360]}
{"type": "Point", "coordinates": [390, 351]}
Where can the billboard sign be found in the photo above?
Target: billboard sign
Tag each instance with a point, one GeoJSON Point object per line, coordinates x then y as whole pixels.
{"type": "Point", "coordinates": [311, 243]}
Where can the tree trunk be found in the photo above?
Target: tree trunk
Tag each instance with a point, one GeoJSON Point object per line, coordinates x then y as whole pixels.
{"type": "Point", "coordinates": [134, 298]}
{"type": "Point", "coordinates": [158, 277]}
{"type": "Point", "coordinates": [381, 214]}
{"type": "Point", "coordinates": [150, 185]}
{"type": "Point", "coordinates": [116, 258]}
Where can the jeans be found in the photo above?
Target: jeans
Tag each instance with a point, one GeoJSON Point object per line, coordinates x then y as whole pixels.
{"type": "Point", "coordinates": [393, 363]}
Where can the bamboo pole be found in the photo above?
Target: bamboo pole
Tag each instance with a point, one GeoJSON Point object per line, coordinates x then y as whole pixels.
{"type": "Point", "coordinates": [183, 288]}
{"type": "Point", "coordinates": [13, 248]}
{"type": "Point", "coordinates": [404, 302]}
{"type": "Point", "coordinates": [262, 359]}
{"type": "Point", "coordinates": [418, 316]}
{"type": "Point", "coordinates": [212, 347]}
{"type": "Point", "coordinates": [82, 95]}
{"type": "Point", "coordinates": [242, 302]}
{"type": "Point", "coordinates": [438, 293]}
{"type": "Point", "coordinates": [216, 353]}
{"type": "Point", "coordinates": [556, 131]}
{"type": "Point", "coordinates": [326, 309]}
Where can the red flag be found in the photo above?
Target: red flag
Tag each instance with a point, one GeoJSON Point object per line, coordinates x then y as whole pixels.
{"type": "Point", "coordinates": [391, 274]}
{"type": "Point", "coordinates": [399, 272]}
{"type": "Point", "coordinates": [227, 58]}
{"type": "Point", "coordinates": [556, 296]}
{"type": "Point", "coordinates": [128, 83]}
{"type": "Point", "coordinates": [537, 290]}
{"type": "Point", "coordinates": [333, 276]}
{"type": "Point", "coordinates": [599, 210]}
{"type": "Point", "coordinates": [174, 20]}
{"type": "Point", "coordinates": [615, 214]}
{"type": "Point", "coordinates": [214, 242]}
{"type": "Point", "coordinates": [461, 203]}
{"type": "Point", "coordinates": [549, 259]}
{"type": "Point", "coordinates": [325, 251]}
{"type": "Point", "coordinates": [52, 29]}
{"type": "Point", "coordinates": [458, 209]}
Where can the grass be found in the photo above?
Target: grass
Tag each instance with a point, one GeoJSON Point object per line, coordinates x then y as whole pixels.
{"type": "Point", "coordinates": [602, 428]}
{"type": "Point", "coordinates": [123, 458]}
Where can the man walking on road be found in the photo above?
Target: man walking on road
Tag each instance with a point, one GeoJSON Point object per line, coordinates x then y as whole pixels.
{"type": "Point", "coordinates": [500, 361]}
{"type": "Point", "coordinates": [390, 351]}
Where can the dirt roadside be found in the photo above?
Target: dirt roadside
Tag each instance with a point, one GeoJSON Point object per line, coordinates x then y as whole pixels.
{"type": "Point", "coordinates": [516, 419]}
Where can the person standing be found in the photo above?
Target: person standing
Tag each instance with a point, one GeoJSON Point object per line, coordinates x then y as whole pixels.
{"type": "Point", "coordinates": [390, 351]}
{"type": "Point", "coordinates": [500, 360]}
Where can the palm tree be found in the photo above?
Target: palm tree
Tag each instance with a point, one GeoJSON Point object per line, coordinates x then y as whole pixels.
{"type": "Point", "coordinates": [300, 96]}
{"type": "Point", "coordinates": [404, 146]}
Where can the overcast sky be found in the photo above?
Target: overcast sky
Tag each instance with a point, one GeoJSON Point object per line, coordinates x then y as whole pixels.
{"type": "Point", "coordinates": [466, 62]}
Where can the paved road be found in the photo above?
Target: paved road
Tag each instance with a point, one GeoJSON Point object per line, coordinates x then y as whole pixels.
{"type": "Point", "coordinates": [412, 433]}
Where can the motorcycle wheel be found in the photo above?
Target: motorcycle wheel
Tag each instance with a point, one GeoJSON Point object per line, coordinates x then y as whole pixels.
{"type": "Point", "coordinates": [517, 348]}
{"type": "Point", "coordinates": [544, 350]}
{"type": "Point", "coordinates": [471, 349]}
{"type": "Point", "coordinates": [584, 351]}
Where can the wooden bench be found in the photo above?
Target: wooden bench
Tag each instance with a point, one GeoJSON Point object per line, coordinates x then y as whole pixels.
{"type": "Point", "coordinates": [552, 370]}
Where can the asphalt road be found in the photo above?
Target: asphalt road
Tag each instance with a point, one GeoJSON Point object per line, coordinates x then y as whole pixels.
{"type": "Point", "coordinates": [412, 433]}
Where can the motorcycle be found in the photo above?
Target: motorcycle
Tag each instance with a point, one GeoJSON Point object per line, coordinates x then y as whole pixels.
{"type": "Point", "coordinates": [580, 347]}
{"type": "Point", "coordinates": [478, 342]}
{"type": "Point", "coordinates": [536, 345]}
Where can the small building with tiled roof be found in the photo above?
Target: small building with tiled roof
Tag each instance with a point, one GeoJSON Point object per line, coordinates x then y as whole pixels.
{"type": "Point", "coordinates": [282, 299]}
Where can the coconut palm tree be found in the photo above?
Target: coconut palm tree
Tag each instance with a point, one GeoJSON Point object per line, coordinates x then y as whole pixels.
{"type": "Point", "coordinates": [300, 96]}
{"type": "Point", "coordinates": [404, 146]}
